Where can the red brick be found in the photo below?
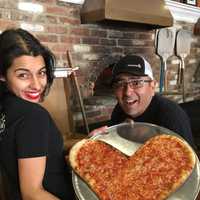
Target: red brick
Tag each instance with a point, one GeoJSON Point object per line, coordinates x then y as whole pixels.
{"type": "Point", "coordinates": [74, 12]}
{"type": "Point", "coordinates": [60, 47]}
{"type": "Point", "coordinates": [68, 39]}
{"type": "Point", "coordinates": [66, 20]}
{"type": "Point", "coordinates": [100, 49]}
{"type": "Point", "coordinates": [47, 38]}
{"type": "Point", "coordinates": [130, 35]}
{"type": "Point", "coordinates": [79, 31]}
{"type": "Point", "coordinates": [108, 42]}
{"type": "Point", "coordinates": [125, 42]}
{"type": "Point", "coordinates": [57, 29]}
{"type": "Point", "coordinates": [48, 19]}
{"type": "Point", "coordinates": [98, 33]}
{"type": "Point", "coordinates": [145, 36]}
{"type": "Point", "coordinates": [139, 50]}
{"type": "Point", "coordinates": [4, 24]}
{"type": "Point", "coordinates": [116, 34]}
{"type": "Point", "coordinates": [90, 40]}
{"type": "Point", "coordinates": [57, 10]}
{"type": "Point", "coordinates": [117, 50]}
{"type": "Point", "coordinates": [19, 16]}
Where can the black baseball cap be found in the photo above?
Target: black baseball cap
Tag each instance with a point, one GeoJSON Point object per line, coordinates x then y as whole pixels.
{"type": "Point", "coordinates": [133, 64]}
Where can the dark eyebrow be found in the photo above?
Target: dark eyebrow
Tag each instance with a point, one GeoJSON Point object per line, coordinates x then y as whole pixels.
{"type": "Point", "coordinates": [43, 68]}
{"type": "Point", "coordinates": [24, 69]}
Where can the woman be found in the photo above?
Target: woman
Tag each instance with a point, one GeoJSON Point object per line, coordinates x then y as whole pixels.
{"type": "Point", "coordinates": [31, 147]}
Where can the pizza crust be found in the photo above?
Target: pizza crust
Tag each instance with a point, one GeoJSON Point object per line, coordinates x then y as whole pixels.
{"type": "Point", "coordinates": [185, 173]}
{"type": "Point", "coordinates": [115, 184]}
{"type": "Point", "coordinates": [74, 152]}
{"type": "Point", "coordinates": [167, 143]}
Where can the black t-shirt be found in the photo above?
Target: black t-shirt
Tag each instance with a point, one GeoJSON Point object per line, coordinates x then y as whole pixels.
{"type": "Point", "coordinates": [162, 112]}
{"type": "Point", "coordinates": [31, 132]}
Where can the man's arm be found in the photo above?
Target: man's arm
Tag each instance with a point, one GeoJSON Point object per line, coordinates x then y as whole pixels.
{"type": "Point", "coordinates": [177, 120]}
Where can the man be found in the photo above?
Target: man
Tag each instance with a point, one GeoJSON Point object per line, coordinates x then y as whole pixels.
{"type": "Point", "coordinates": [134, 88]}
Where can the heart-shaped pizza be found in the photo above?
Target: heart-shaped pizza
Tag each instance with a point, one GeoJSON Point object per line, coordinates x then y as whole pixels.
{"type": "Point", "coordinates": [153, 172]}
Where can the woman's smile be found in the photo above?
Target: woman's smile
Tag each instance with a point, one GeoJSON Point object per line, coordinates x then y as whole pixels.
{"type": "Point", "coordinates": [32, 96]}
{"type": "Point", "coordinates": [27, 78]}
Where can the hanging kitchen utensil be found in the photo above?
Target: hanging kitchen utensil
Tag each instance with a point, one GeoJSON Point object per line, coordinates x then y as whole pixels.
{"type": "Point", "coordinates": [165, 49]}
{"type": "Point", "coordinates": [156, 38]}
{"type": "Point", "coordinates": [78, 92]}
{"type": "Point", "coordinates": [183, 45]}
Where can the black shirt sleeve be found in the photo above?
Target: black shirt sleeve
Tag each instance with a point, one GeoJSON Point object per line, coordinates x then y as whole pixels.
{"type": "Point", "coordinates": [32, 134]}
{"type": "Point", "coordinates": [170, 115]}
{"type": "Point", "coordinates": [180, 124]}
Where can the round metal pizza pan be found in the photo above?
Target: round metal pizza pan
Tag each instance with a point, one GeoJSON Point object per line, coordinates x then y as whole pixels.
{"type": "Point", "coordinates": [134, 135]}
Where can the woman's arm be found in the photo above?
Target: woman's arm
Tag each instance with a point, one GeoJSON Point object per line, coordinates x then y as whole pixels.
{"type": "Point", "coordinates": [31, 173]}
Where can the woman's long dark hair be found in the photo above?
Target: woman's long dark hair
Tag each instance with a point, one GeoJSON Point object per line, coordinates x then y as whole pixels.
{"type": "Point", "coordinates": [15, 43]}
{"type": "Point", "coordinates": [18, 42]}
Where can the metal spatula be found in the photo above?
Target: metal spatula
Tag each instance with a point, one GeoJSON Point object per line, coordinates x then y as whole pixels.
{"type": "Point", "coordinates": [125, 146]}
{"type": "Point", "coordinates": [115, 136]}
{"type": "Point", "coordinates": [183, 45]}
{"type": "Point", "coordinates": [165, 49]}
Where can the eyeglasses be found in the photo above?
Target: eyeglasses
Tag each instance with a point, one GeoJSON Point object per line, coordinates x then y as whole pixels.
{"type": "Point", "coordinates": [132, 83]}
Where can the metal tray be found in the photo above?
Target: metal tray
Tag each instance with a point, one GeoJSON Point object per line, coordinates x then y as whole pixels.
{"type": "Point", "coordinates": [127, 138]}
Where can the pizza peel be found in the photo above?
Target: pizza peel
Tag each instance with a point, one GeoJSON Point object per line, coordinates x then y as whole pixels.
{"type": "Point", "coordinates": [183, 45]}
{"type": "Point", "coordinates": [165, 41]}
{"type": "Point", "coordinates": [136, 134]}
{"type": "Point", "coordinates": [113, 138]}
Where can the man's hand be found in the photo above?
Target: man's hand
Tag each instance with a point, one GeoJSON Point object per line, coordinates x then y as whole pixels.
{"type": "Point", "coordinates": [100, 130]}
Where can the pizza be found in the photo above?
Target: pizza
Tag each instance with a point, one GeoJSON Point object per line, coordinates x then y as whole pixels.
{"type": "Point", "coordinates": [153, 172]}
{"type": "Point", "coordinates": [96, 162]}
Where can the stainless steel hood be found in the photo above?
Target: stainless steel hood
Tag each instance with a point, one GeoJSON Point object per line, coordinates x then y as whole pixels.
{"type": "Point", "coordinates": [152, 12]}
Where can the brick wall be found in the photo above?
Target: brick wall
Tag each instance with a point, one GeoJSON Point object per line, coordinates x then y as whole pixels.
{"type": "Point", "coordinates": [93, 48]}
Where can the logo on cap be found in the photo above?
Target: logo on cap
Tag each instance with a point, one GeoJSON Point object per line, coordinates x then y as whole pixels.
{"type": "Point", "coordinates": [132, 65]}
